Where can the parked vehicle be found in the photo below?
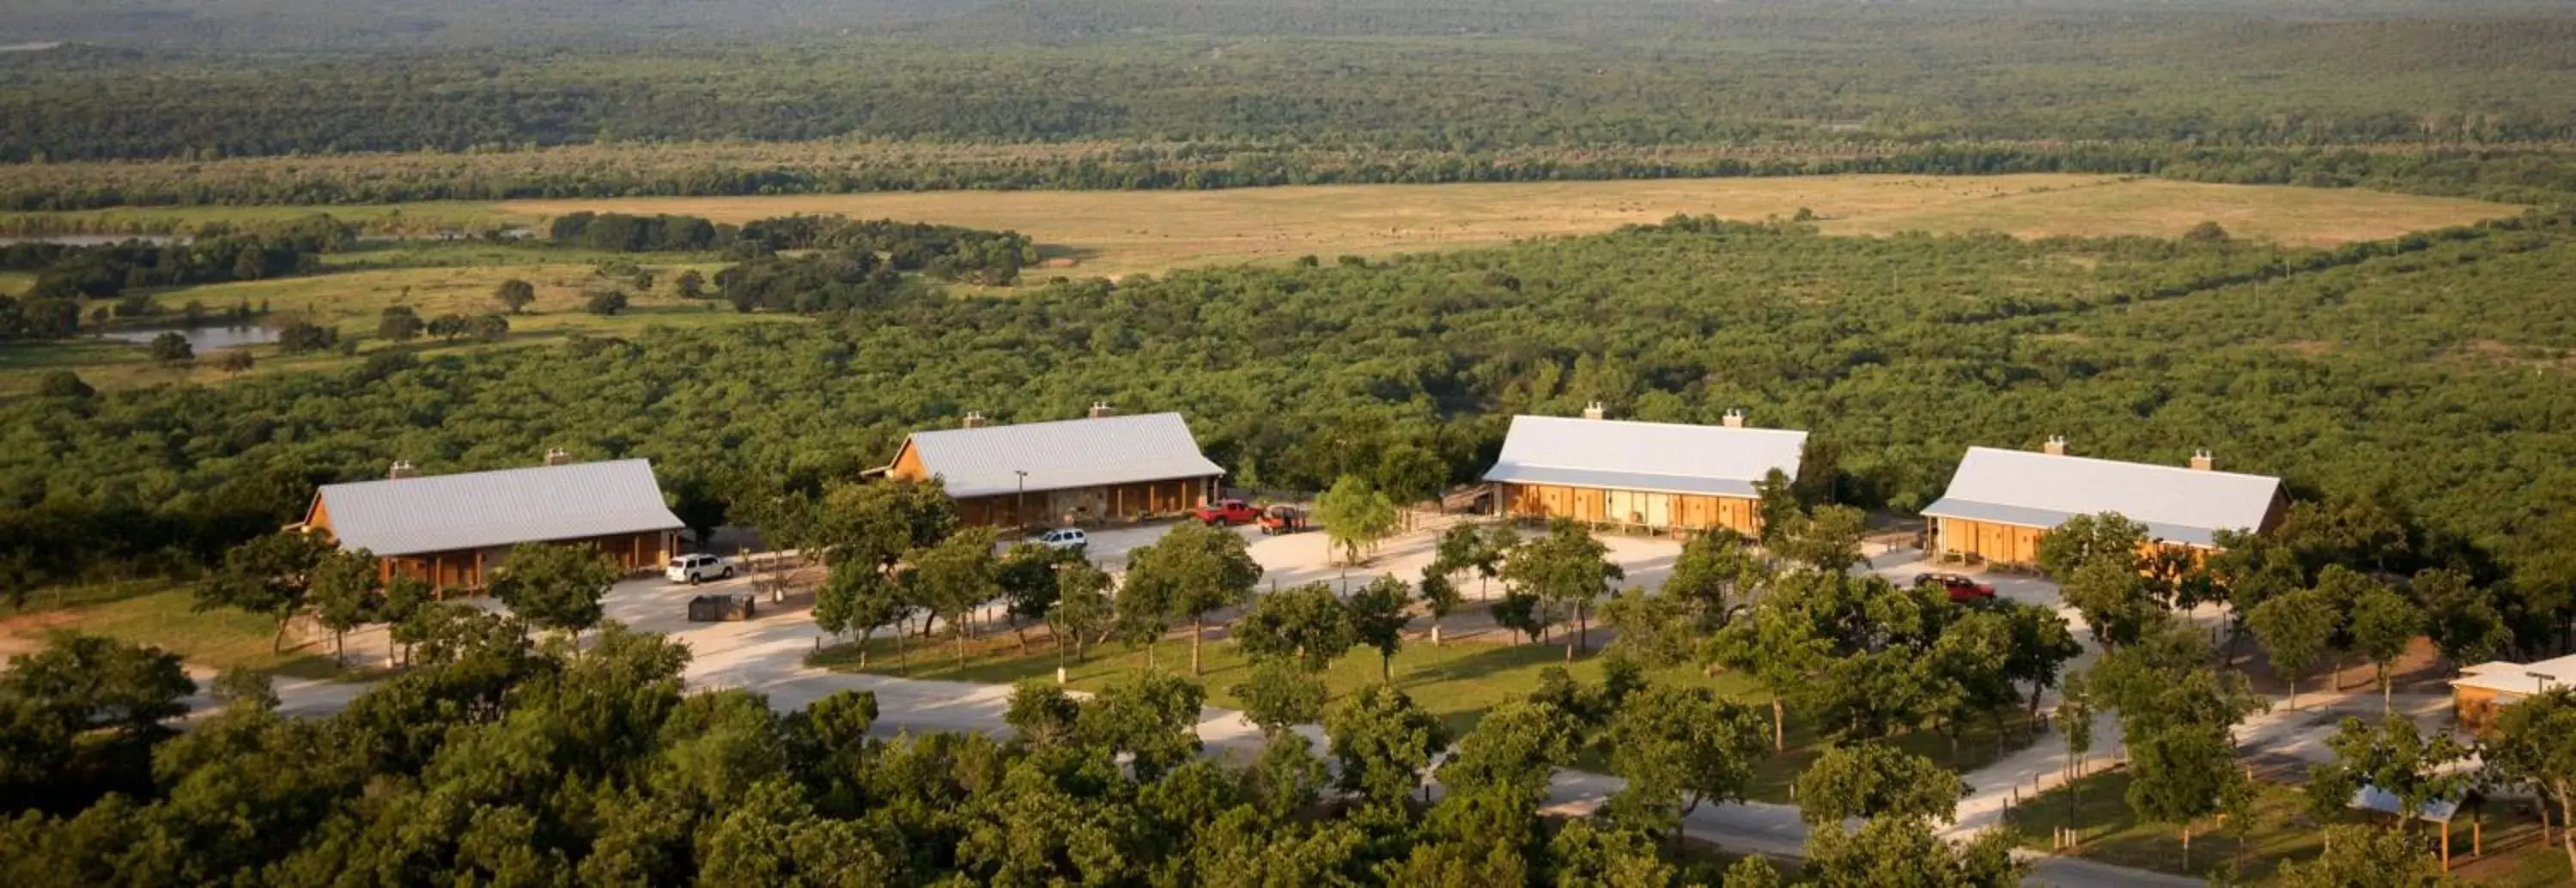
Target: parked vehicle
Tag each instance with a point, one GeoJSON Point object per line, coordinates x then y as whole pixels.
{"type": "Point", "coordinates": [1282, 519]}
{"type": "Point", "coordinates": [1065, 538]}
{"type": "Point", "coordinates": [1962, 589]}
{"type": "Point", "coordinates": [695, 569]}
{"type": "Point", "coordinates": [1227, 512]}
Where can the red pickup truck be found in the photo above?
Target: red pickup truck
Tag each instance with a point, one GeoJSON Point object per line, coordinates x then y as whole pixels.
{"type": "Point", "coordinates": [1962, 590]}
{"type": "Point", "coordinates": [1227, 512]}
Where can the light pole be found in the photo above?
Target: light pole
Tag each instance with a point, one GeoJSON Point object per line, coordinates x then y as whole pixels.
{"type": "Point", "coordinates": [1020, 503]}
{"type": "Point", "coordinates": [1059, 639]}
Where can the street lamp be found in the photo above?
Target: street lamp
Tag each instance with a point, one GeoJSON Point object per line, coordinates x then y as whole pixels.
{"type": "Point", "coordinates": [1020, 503]}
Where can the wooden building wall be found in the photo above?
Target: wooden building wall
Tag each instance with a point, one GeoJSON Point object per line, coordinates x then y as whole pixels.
{"type": "Point", "coordinates": [2476, 707]}
{"type": "Point", "coordinates": [1645, 509]}
{"type": "Point", "coordinates": [1117, 502]}
{"type": "Point", "coordinates": [2013, 544]}
{"type": "Point", "coordinates": [470, 568]}
{"type": "Point", "coordinates": [1987, 541]}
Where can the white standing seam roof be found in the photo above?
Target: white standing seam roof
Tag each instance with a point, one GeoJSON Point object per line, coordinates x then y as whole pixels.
{"type": "Point", "coordinates": [1654, 457]}
{"type": "Point", "coordinates": [475, 510]}
{"type": "Point", "coordinates": [1062, 455]}
{"type": "Point", "coordinates": [2176, 503]}
{"type": "Point", "coordinates": [2518, 678]}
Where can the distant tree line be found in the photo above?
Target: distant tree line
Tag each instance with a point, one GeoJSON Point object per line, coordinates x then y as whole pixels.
{"type": "Point", "coordinates": [942, 252]}
{"type": "Point", "coordinates": [2535, 174]}
{"type": "Point", "coordinates": [50, 308]}
{"type": "Point", "coordinates": [1637, 74]}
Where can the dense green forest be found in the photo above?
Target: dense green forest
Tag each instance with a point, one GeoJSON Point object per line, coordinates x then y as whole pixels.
{"type": "Point", "coordinates": [495, 761]}
{"type": "Point", "coordinates": [1624, 74]}
{"type": "Point", "coordinates": [2426, 375]}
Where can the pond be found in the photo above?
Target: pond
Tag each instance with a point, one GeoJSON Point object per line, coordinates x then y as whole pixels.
{"type": "Point", "coordinates": [202, 339]}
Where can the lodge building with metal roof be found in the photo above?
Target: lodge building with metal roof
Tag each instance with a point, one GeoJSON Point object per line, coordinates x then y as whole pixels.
{"type": "Point", "coordinates": [2000, 502]}
{"type": "Point", "coordinates": [1653, 476]}
{"type": "Point", "coordinates": [1102, 467]}
{"type": "Point", "coordinates": [452, 529]}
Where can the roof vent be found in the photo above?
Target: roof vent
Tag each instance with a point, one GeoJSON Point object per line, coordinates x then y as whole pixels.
{"type": "Point", "coordinates": [402, 469]}
{"type": "Point", "coordinates": [974, 420]}
{"type": "Point", "coordinates": [2056, 446]}
{"type": "Point", "coordinates": [557, 456]}
{"type": "Point", "coordinates": [2201, 460]}
{"type": "Point", "coordinates": [1594, 411]}
{"type": "Point", "coordinates": [1734, 418]}
{"type": "Point", "coordinates": [1100, 409]}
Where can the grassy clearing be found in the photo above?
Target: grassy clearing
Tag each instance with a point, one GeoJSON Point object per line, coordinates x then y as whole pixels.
{"type": "Point", "coordinates": [1458, 682]}
{"type": "Point", "coordinates": [2306, 217]}
{"type": "Point", "coordinates": [413, 219]}
{"type": "Point", "coordinates": [163, 614]}
{"type": "Point", "coordinates": [433, 279]}
{"type": "Point", "coordinates": [13, 283]}
{"type": "Point", "coordinates": [1116, 233]}
{"type": "Point", "coordinates": [2282, 829]}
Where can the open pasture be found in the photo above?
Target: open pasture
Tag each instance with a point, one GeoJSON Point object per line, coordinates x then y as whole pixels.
{"type": "Point", "coordinates": [1087, 233]}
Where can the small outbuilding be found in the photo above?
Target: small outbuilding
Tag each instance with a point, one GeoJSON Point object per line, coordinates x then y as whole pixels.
{"type": "Point", "coordinates": [1105, 466]}
{"type": "Point", "coordinates": [2485, 688]}
{"type": "Point", "coordinates": [452, 529]}
{"type": "Point", "coordinates": [1653, 476]}
{"type": "Point", "coordinates": [2000, 501]}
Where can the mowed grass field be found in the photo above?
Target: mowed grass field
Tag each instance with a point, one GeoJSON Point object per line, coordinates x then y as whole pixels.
{"type": "Point", "coordinates": [1090, 233]}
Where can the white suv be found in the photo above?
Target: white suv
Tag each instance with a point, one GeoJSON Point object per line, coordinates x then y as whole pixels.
{"type": "Point", "coordinates": [1066, 538]}
{"type": "Point", "coordinates": [694, 569]}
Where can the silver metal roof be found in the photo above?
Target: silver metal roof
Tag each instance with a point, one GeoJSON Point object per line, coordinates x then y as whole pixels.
{"type": "Point", "coordinates": [474, 510]}
{"type": "Point", "coordinates": [2177, 504]}
{"type": "Point", "coordinates": [1063, 455]}
{"type": "Point", "coordinates": [1657, 457]}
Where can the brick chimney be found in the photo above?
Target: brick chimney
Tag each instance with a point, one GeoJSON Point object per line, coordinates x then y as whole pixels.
{"type": "Point", "coordinates": [402, 469]}
{"type": "Point", "coordinates": [974, 420]}
{"type": "Point", "coordinates": [557, 456]}
{"type": "Point", "coordinates": [1100, 409]}
{"type": "Point", "coordinates": [1734, 418]}
{"type": "Point", "coordinates": [1594, 410]}
{"type": "Point", "coordinates": [2056, 446]}
{"type": "Point", "coordinates": [2202, 461]}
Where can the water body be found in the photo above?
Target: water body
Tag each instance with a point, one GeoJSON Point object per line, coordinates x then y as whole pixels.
{"type": "Point", "coordinates": [202, 339]}
{"type": "Point", "coordinates": [28, 47]}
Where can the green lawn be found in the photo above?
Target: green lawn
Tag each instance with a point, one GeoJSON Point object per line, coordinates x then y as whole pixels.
{"type": "Point", "coordinates": [162, 614]}
{"type": "Point", "coordinates": [2282, 829]}
{"type": "Point", "coordinates": [1458, 682]}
